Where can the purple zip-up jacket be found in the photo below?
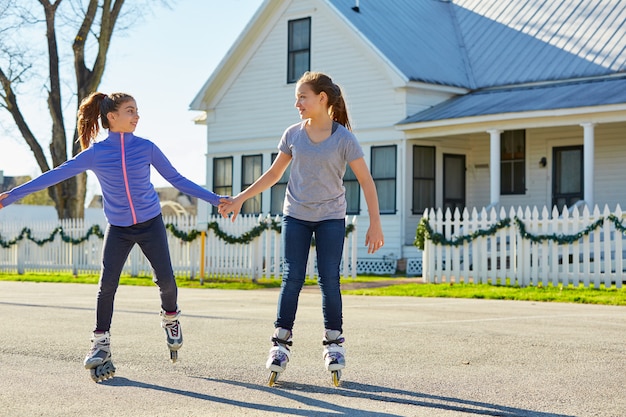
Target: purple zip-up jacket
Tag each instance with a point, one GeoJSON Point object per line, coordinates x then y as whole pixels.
{"type": "Point", "coordinates": [121, 163]}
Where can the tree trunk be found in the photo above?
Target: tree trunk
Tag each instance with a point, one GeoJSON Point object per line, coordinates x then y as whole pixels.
{"type": "Point", "coordinates": [68, 196]}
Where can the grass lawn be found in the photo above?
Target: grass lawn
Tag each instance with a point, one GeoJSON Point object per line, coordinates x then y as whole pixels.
{"type": "Point", "coordinates": [377, 286]}
{"type": "Point", "coordinates": [610, 296]}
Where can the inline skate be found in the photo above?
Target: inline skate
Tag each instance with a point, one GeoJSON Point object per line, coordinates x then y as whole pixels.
{"type": "Point", "coordinates": [279, 354]}
{"type": "Point", "coordinates": [173, 332]}
{"type": "Point", "coordinates": [98, 360]}
{"type": "Point", "coordinates": [334, 354]}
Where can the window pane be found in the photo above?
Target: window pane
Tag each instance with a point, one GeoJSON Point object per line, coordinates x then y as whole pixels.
{"type": "Point", "coordinates": [386, 195]}
{"type": "Point", "coordinates": [384, 174]}
{"type": "Point", "coordinates": [453, 188]}
{"type": "Point", "coordinates": [423, 195]}
{"type": "Point", "coordinates": [506, 178]}
{"type": "Point", "coordinates": [252, 168]}
{"type": "Point", "coordinates": [519, 176]}
{"type": "Point", "coordinates": [223, 190]}
{"type": "Point", "coordinates": [513, 162]}
{"type": "Point", "coordinates": [423, 178]}
{"type": "Point", "coordinates": [222, 172]}
{"type": "Point", "coordinates": [570, 162]}
{"type": "Point", "coordinates": [353, 191]}
{"type": "Point", "coordinates": [353, 197]}
{"type": "Point", "coordinates": [384, 162]}
{"type": "Point", "coordinates": [277, 195]}
{"type": "Point", "coordinates": [298, 48]}
{"type": "Point", "coordinates": [423, 162]}
{"type": "Point", "coordinates": [299, 34]}
{"type": "Point", "coordinates": [222, 177]}
{"type": "Point", "coordinates": [277, 192]}
{"type": "Point", "coordinates": [298, 64]}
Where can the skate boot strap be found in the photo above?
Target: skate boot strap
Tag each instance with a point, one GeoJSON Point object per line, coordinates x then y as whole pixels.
{"type": "Point", "coordinates": [333, 342]}
{"type": "Point", "coordinates": [276, 340]}
{"type": "Point", "coordinates": [170, 316]}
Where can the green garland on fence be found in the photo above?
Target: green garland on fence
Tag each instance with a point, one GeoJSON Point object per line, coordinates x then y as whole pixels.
{"type": "Point", "coordinates": [27, 234]}
{"type": "Point", "coordinates": [190, 236]}
{"type": "Point", "coordinates": [424, 231]}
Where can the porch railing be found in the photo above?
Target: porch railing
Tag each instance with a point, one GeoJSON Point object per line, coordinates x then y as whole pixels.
{"type": "Point", "coordinates": [247, 248]}
{"type": "Point", "coordinates": [525, 247]}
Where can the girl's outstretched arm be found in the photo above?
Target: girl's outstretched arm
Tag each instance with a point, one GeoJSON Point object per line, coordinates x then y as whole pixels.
{"type": "Point", "coordinates": [265, 181]}
{"type": "Point", "coordinates": [374, 238]}
{"type": "Point", "coordinates": [70, 168]}
{"type": "Point", "coordinates": [180, 182]}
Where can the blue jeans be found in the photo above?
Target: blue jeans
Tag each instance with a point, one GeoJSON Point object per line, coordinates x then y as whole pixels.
{"type": "Point", "coordinates": [151, 237]}
{"type": "Point", "coordinates": [296, 240]}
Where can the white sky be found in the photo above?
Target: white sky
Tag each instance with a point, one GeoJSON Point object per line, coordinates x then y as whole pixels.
{"type": "Point", "coordinates": [163, 62]}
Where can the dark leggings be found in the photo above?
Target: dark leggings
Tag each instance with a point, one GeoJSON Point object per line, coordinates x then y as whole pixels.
{"type": "Point", "coordinates": [151, 237]}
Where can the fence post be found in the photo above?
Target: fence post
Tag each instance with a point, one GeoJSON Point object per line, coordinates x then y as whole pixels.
{"type": "Point", "coordinates": [202, 254]}
{"type": "Point", "coordinates": [353, 258]}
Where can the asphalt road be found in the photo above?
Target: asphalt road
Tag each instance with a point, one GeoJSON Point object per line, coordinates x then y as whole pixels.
{"type": "Point", "coordinates": [406, 357]}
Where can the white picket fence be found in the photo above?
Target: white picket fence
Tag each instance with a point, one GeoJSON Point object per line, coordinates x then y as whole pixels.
{"type": "Point", "coordinates": [207, 256]}
{"type": "Point", "coordinates": [526, 247]}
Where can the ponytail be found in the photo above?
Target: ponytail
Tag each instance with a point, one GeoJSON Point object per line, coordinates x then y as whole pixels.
{"type": "Point", "coordinates": [87, 124]}
{"type": "Point", "coordinates": [337, 108]}
{"type": "Point", "coordinates": [96, 105]}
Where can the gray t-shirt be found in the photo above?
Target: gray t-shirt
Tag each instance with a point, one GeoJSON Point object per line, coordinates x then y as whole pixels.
{"type": "Point", "coordinates": [315, 190]}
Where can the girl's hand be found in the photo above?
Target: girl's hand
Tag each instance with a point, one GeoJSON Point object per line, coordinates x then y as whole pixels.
{"type": "Point", "coordinates": [2, 197]}
{"type": "Point", "coordinates": [374, 238]}
{"type": "Point", "coordinates": [230, 205]}
{"type": "Point", "coordinates": [223, 207]}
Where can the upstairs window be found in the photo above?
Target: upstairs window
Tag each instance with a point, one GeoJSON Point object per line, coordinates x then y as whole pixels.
{"type": "Point", "coordinates": [513, 162]}
{"type": "Point", "coordinates": [298, 49]}
{"type": "Point", "coordinates": [251, 169]}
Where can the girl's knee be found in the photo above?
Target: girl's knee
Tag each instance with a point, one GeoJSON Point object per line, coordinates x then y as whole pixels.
{"type": "Point", "coordinates": [166, 284]}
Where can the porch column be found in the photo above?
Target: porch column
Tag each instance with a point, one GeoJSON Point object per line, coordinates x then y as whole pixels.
{"type": "Point", "coordinates": [494, 165]}
{"type": "Point", "coordinates": [588, 162]}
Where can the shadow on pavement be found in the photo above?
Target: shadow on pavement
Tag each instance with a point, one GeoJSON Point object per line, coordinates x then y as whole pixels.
{"type": "Point", "coordinates": [384, 394]}
{"type": "Point", "coordinates": [124, 382]}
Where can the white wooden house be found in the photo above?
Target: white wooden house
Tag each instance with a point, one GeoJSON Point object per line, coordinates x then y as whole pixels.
{"type": "Point", "coordinates": [457, 103]}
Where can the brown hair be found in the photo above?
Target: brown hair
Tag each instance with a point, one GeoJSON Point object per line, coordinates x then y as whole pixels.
{"type": "Point", "coordinates": [96, 105]}
{"type": "Point", "coordinates": [337, 106]}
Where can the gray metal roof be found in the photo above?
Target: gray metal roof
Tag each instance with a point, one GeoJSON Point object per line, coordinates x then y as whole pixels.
{"type": "Point", "coordinates": [483, 43]}
{"type": "Point", "coordinates": [416, 36]}
{"type": "Point", "coordinates": [568, 95]}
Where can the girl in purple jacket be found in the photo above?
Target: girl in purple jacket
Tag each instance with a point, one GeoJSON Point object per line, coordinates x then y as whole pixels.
{"type": "Point", "coordinates": [122, 164]}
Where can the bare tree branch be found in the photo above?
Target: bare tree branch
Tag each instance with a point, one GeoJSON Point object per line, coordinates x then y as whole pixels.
{"type": "Point", "coordinates": [10, 104]}
{"type": "Point", "coordinates": [94, 22]}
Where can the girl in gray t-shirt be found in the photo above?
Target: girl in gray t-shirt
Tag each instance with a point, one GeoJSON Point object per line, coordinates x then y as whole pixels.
{"type": "Point", "coordinates": [318, 149]}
